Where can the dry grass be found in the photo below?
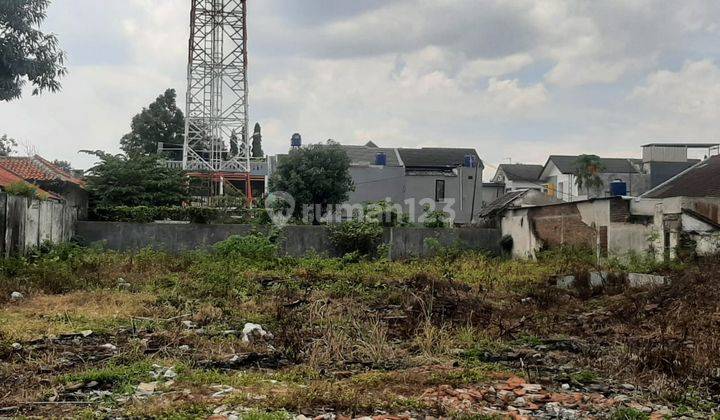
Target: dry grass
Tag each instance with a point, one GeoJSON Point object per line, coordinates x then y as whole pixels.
{"type": "Point", "coordinates": [41, 315]}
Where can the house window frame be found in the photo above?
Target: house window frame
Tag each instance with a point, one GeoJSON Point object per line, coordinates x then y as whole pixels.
{"type": "Point", "coordinates": [438, 184]}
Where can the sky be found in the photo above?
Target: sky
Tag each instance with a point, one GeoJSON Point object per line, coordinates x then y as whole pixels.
{"type": "Point", "coordinates": [516, 80]}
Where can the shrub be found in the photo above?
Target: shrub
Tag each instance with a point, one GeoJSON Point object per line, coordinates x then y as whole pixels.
{"type": "Point", "coordinates": [22, 189]}
{"type": "Point", "coordinates": [436, 218]}
{"type": "Point", "coordinates": [355, 236]}
{"type": "Point", "coordinates": [147, 214]}
{"type": "Point", "coordinates": [255, 246]}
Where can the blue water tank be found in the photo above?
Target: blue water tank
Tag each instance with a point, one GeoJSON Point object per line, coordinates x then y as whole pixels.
{"type": "Point", "coordinates": [381, 159]}
{"type": "Point", "coordinates": [618, 188]}
{"type": "Point", "coordinates": [296, 140]}
{"type": "Point", "coordinates": [469, 161]}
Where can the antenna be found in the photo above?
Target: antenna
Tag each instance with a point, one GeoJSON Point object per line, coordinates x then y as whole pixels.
{"type": "Point", "coordinates": [217, 94]}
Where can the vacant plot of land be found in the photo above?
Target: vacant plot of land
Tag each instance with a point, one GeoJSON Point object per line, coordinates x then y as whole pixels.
{"type": "Point", "coordinates": [103, 334]}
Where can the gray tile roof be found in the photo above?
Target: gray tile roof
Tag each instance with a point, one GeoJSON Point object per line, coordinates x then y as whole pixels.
{"type": "Point", "coordinates": [436, 157]}
{"type": "Point", "coordinates": [365, 155]}
{"type": "Point", "coordinates": [521, 172]}
{"type": "Point", "coordinates": [566, 164]}
{"type": "Point", "coordinates": [701, 180]}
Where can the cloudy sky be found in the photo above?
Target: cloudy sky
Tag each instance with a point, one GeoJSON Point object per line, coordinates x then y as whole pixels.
{"type": "Point", "coordinates": [514, 79]}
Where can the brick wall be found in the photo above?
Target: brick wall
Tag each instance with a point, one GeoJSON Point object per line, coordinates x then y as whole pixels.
{"type": "Point", "coordinates": [562, 225]}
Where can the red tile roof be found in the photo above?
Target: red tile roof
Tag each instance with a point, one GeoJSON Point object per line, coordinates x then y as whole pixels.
{"type": "Point", "coordinates": [36, 168]}
{"type": "Point", "coordinates": [8, 178]}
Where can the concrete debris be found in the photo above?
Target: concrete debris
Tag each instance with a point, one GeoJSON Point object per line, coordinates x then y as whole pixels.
{"type": "Point", "coordinates": [565, 387]}
{"type": "Point", "coordinates": [108, 346]}
{"type": "Point", "coordinates": [222, 391]}
{"type": "Point", "coordinates": [14, 296]}
{"type": "Point", "coordinates": [189, 324]}
{"type": "Point", "coordinates": [252, 332]}
{"type": "Point", "coordinates": [86, 333]}
{"type": "Point", "coordinates": [637, 280]}
{"type": "Point", "coordinates": [184, 347]}
{"type": "Point", "coordinates": [146, 389]}
{"type": "Point", "coordinates": [16, 346]}
{"type": "Point", "coordinates": [170, 373]}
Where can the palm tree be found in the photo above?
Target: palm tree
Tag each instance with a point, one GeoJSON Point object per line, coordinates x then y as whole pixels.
{"type": "Point", "coordinates": [587, 172]}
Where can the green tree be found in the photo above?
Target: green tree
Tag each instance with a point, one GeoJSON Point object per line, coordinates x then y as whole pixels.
{"type": "Point", "coordinates": [7, 145]}
{"type": "Point", "coordinates": [26, 53]}
{"type": "Point", "coordinates": [314, 175]}
{"type": "Point", "coordinates": [257, 151]}
{"type": "Point", "coordinates": [161, 121]}
{"type": "Point", "coordinates": [587, 172]}
{"type": "Point", "coordinates": [63, 164]}
{"type": "Point", "coordinates": [139, 180]}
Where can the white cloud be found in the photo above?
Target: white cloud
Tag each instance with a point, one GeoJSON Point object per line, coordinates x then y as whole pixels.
{"type": "Point", "coordinates": [692, 92]}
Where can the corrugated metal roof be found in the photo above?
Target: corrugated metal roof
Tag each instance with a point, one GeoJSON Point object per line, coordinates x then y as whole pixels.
{"type": "Point", "coordinates": [501, 203]}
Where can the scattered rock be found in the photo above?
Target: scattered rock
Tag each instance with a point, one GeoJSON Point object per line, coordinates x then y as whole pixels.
{"type": "Point", "coordinates": [629, 387]}
{"type": "Point", "coordinates": [146, 389]}
{"type": "Point", "coordinates": [565, 387]}
{"type": "Point", "coordinates": [108, 346]}
{"type": "Point", "coordinates": [184, 347]}
{"type": "Point", "coordinates": [222, 391]}
{"type": "Point", "coordinates": [646, 280]}
{"type": "Point", "coordinates": [86, 333]}
{"type": "Point", "coordinates": [252, 332]}
{"type": "Point", "coordinates": [189, 324]}
{"type": "Point", "coordinates": [16, 346]}
{"type": "Point", "coordinates": [14, 296]}
{"type": "Point", "coordinates": [170, 373]}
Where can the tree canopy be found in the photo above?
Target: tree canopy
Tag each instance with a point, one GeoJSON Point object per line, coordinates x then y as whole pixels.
{"type": "Point", "coordinates": [140, 180]}
{"type": "Point", "coordinates": [587, 172]}
{"type": "Point", "coordinates": [63, 164]}
{"type": "Point", "coordinates": [257, 151]}
{"type": "Point", "coordinates": [315, 174]}
{"type": "Point", "coordinates": [26, 53]}
{"type": "Point", "coordinates": [161, 121]}
{"type": "Point", "coordinates": [7, 145]}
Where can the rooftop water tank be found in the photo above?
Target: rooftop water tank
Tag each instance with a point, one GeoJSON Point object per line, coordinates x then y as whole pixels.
{"type": "Point", "coordinates": [469, 161]}
{"type": "Point", "coordinates": [296, 140]}
{"type": "Point", "coordinates": [618, 188]}
{"type": "Point", "coordinates": [381, 159]}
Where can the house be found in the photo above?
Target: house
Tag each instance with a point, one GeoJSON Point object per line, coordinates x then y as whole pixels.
{"type": "Point", "coordinates": [8, 179]}
{"type": "Point", "coordinates": [559, 176]}
{"type": "Point", "coordinates": [448, 179]}
{"type": "Point", "coordinates": [662, 161]}
{"type": "Point", "coordinates": [519, 177]}
{"type": "Point", "coordinates": [490, 215]}
{"type": "Point", "coordinates": [44, 174]}
{"type": "Point", "coordinates": [491, 191]}
{"type": "Point", "coordinates": [680, 215]}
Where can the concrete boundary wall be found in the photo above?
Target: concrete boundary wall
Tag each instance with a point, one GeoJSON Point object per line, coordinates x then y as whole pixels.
{"type": "Point", "coordinates": [297, 240]}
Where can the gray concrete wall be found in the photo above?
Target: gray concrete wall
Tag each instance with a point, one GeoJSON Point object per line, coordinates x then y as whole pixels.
{"type": "Point", "coordinates": [377, 183]}
{"type": "Point", "coordinates": [296, 240]}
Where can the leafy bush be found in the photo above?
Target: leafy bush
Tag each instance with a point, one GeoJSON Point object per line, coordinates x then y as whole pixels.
{"type": "Point", "coordinates": [147, 214]}
{"type": "Point", "coordinates": [255, 246]}
{"type": "Point", "coordinates": [436, 218]}
{"type": "Point", "coordinates": [356, 236]}
{"type": "Point", "coordinates": [22, 189]}
{"type": "Point", "coordinates": [385, 213]}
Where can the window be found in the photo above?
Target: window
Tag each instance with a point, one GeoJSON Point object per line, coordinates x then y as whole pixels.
{"type": "Point", "coordinates": [439, 190]}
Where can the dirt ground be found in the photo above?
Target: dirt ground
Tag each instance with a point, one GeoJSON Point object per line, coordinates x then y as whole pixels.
{"type": "Point", "coordinates": [103, 335]}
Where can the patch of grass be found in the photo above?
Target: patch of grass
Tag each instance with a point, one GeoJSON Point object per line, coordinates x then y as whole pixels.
{"type": "Point", "coordinates": [121, 378]}
{"type": "Point", "coordinates": [266, 415]}
{"type": "Point", "coordinates": [584, 377]}
{"type": "Point", "coordinates": [627, 413]}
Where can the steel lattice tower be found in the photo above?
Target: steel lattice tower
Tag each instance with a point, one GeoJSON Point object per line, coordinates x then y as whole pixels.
{"type": "Point", "coordinates": [217, 91]}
